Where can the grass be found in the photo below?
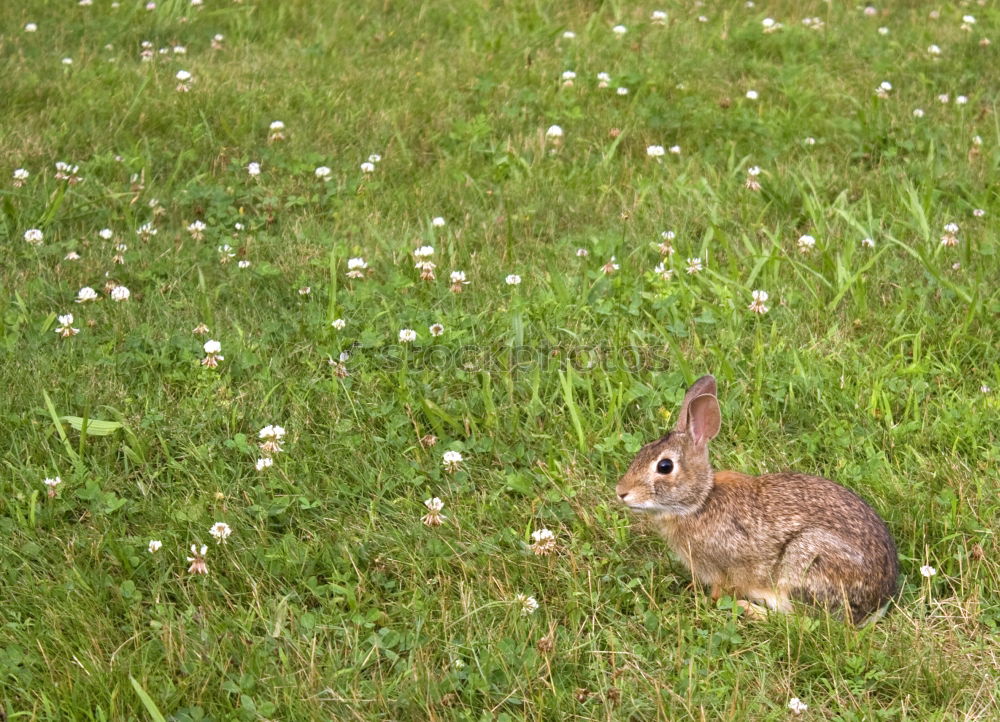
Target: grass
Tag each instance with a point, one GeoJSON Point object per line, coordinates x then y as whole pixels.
{"type": "Point", "coordinates": [331, 600]}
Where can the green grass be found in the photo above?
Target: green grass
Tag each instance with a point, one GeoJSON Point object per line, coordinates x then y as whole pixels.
{"type": "Point", "coordinates": [331, 600]}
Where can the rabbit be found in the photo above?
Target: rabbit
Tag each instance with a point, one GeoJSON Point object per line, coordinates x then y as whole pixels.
{"type": "Point", "coordinates": [776, 538]}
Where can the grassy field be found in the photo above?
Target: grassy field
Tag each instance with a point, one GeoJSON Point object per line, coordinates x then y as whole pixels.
{"type": "Point", "coordinates": [876, 363]}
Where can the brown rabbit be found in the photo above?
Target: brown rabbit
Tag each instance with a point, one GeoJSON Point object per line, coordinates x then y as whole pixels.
{"type": "Point", "coordinates": [775, 538]}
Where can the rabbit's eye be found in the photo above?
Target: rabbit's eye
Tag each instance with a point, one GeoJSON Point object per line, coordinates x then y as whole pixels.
{"type": "Point", "coordinates": [665, 466]}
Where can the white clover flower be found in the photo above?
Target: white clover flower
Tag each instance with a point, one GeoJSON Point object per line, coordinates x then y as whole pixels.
{"type": "Point", "coordinates": [568, 35]}
{"type": "Point", "coordinates": [367, 167]}
{"type": "Point", "coordinates": [757, 305]}
{"type": "Point", "coordinates": [619, 30]}
{"type": "Point", "coordinates": [611, 266]}
{"type": "Point", "coordinates": [86, 294]}
{"type": "Point", "coordinates": [183, 76]}
{"type": "Point", "coordinates": [513, 280]}
{"type": "Point", "coordinates": [272, 432]}
{"type": "Point", "coordinates": [663, 272]}
{"type": "Point", "coordinates": [582, 253]}
{"type": "Point", "coordinates": [554, 132]}
{"type": "Point", "coordinates": [568, 76]}
{"type": "Point", "coordinates": [20, 176]}
{"type": "Point", "coordinates": [457, 279]}
{"type": "Point", "coordinates": [437, 222]}
{"type": "Point", "coordinates": [217, 41]}
{"type": "Point", "coordinates": [543, 542]}
{"type": "Point", "coordinates": [984, 389]}
{"type": "Point", "coordinates": [65, 328]}
{"type": "Point", "coordinates": [34, 236]}
{"type": "Point", "coordinates": [978, 212]}
{"type": "Point", "coordinates": [243, 263]}
{"type": "Point", "coordinates": [198, 565]}
{"type": "Point", "coordinates": [528, 605]}
{"type": "Point", "coordinates": [943, 98]}
{"type": "Point", "coordinates": [106, 233]}
{"type": "Point", "coordinates": [928, 571]}
{"type": "Point", "coordinates": [433, 517]}
{"type": "Point", "coordinates": [323, 173]}
{"type": "Point", "coordinates": [30, 27]}
{"type": "Point", "coordinates": [694, 265]}
{"type": "Point", "coordinates": [277, 125]}
{"type": "Point", "coordinates": [221, 531]}
{"type": "Point", "coordinates": [797, 706]}
{"type": "Point", "coordinates": [674, 149]}
{"type": "Point", "coordinates": [806, 243]}
{"type": "Point", "coordinates": [977, 140]}
{"type": "Point", "coordinates": [356, 267]}
{"type": "Point", "coordinates": [154, 546]}
{"type": "Point", "coordinates": [950, 237]}
{"type": "Point", "coordinates": [146, 231]}
{"type": "Point", "coordinates": [621, 91]}
{"type": "Point", "coordinates": [867, 243]}
{"type": "Point", "coordinates": [407, 335]}
{"type": "Point", "coordinates": [212, 354]}
{"type": "Point", "coordinates": [67, 172]}
{"type": "Point", "coordinates": [120, 293]}
{"type": "Point", "coordinates": [969, 19]}
{"type": "Point", "coordinates": [374, 158]}
{"type": "Point", "coordinates": [253, 169]}
{"type": "Point", "coordinates": [72, 256]}
{"type": "Point", "coordinates": [752, 95]}
{"type": "Point", "coordinates": [961, 100]}
{"type": "Point", "coordinates": [436, 329]}
{"type": "Point", "coordinates": [264, 463]}
{"type": "Point", "coordinates": [883, 31]}
{"type": "Point", "coordinates": [451, 460]}
{"type": "Point", "coordinates": [52, 483]}
{"type": "Point", "coordinates": [753, 170]}
{"type": "Point", "coordinates": [655, 151]}
{"type": "Point", "coordinates": [339, 324]}
{"type": "Point", "coordinates": [934, 49]}
{"type": "Point", "coordinates": [658, 17]}
{"type": "Point", "coordinates": [67, 61]}
{"type": "Point", "coordinates": [197, 229]}
{"type": "Point", "coordinates": [423, 252]}
{"type": "Point", "coordinates": [918, 112]}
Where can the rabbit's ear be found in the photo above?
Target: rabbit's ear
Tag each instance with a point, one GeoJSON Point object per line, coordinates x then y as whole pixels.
{"type": "Point", "coordinates": [704, 418]}
{"type": "Point", "coordinates": [704, 385]}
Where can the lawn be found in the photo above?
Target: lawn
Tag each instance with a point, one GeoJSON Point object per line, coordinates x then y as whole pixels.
{"type": "Point", "coordinates": [326, 261]}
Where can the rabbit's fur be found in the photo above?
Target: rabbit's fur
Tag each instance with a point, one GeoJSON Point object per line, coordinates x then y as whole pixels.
{"type": "Point", "coordinates": [775, 538]}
